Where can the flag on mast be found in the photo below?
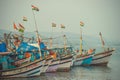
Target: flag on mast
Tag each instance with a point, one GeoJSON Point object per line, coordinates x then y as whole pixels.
{"type": "Point", "coordinates": [14, 26]}
{"type": "Point", "coordinates": [53, 25]}
{"type": "Point", "coordinates": [34, 8]}
{"type": "Point", "coordinates": [62, 26]}
{"type": "Point", "coordinates": [21, 28]}
{"type": "Point", "coordinates": [24, 18]}
{"type": "Point", "coordinates": [81, 23]}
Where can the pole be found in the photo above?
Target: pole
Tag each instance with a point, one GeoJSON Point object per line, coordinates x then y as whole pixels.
{"type": "Point", "coordinates": [64, 36]}
{"type": "Point", "coordinates": [80, 40]}
{"type": "Point", "coordinates": [38, 39]}
{"type": "Point", "coordinates": [51, 43]}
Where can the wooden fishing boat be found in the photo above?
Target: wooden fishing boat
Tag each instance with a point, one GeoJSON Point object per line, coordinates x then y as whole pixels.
{"type": "Point", "coordinates": [92, 58]}
{"type": "Point", "coordinates": [27, 70]}
{"type": "Point", "coordinates": [62, 62]}
{"type": "Point", "coordinates": [102, 58]}
{"type": "Point", "coordinates": [82, 58]}
{"type": "Point", "coordinates": [24, 67]}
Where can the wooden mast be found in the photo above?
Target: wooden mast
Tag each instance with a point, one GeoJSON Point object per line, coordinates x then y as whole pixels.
{"type": "Point", "coordinates": [64, 36]}
{"type": "Point", "coordinates": [38, 38]}
{"type": "Point", "coordinates": [51, 42]}
{"type": "Point", "coordinates": [81, 25]}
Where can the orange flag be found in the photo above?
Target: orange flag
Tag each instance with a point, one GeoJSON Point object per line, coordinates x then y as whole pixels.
{"type": "Point", "coordinates": [14, 26]}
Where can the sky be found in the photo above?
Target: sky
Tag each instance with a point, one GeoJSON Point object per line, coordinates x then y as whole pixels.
{"type": "Point", "coordinates": [97, 15]}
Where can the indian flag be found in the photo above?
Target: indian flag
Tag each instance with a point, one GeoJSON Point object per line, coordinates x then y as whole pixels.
{"type": "Point", "coordinates": [53, 25]}
{"type": "Point", "coordinates": [81, 23]}
{"type": "Point", "coordinates": [21, 28]}
{"type": "Point", "coordinates": [34, 8]}
{"type": "Point", "coordinates": [62, 26]}
{"type": "Point", "coordinates": [24, 18]}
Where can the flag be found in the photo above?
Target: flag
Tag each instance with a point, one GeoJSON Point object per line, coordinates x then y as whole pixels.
{"type": "Point", "coordinates": [24, 18]}
{"type": "Point", "coordinates": [62, 26]}
{"type": "Point", "coordinates": [15, 27]}
{"type": "Point", "coordinates": [21, 28]}
{"type": "Point", "coordinates": [34, 8]}
{"type": "Point", "coordinates": [81, 23]}
{"type": "Point", "coordinates": [103, 43]}
{"type": "Point", "coordinates": [53, 25]}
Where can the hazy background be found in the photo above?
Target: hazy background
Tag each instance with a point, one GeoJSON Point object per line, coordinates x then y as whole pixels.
{"type": "Point", "coordinates": [98, 16]}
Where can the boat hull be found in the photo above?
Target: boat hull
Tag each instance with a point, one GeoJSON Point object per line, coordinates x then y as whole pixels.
{"type": "Point", "coordinates": [65, 64]}
{"type": "Point", "coordinates": [86, 60]}
{"type": "Point", "coordinates": [53, 66]}
{"type": "Point", "coordinates": [102, 59]}
{"type": "Point", "coordinates": [28, 70]}
{"type": "Point", "coordinates": [46, 65]}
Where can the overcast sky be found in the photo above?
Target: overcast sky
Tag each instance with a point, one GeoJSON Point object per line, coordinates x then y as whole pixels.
{"type": "Point", "coordinates": [97, 15]}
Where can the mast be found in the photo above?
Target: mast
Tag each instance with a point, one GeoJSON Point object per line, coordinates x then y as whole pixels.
{"type": "Point", "coordinates": [81, 25]}
{"type": "Point", "coordinates": [51, 42]}
{"type": "Point", "coordinates": [80, 40]}
{"type": "Point", "coordinates": [103, 43]}
{"type": "Point", "coordinates": [51, 38]}
{"type": "Point", "coordinates": [64, 36]}
{"type": "Point", "coordinates": [38, 38]}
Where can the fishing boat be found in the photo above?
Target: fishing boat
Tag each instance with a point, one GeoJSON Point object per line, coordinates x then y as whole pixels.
{"type": "Point", "coordinates": [62, 55]}
{"type": "Point", "coordinates": [62, 61]}
{"type": "Point", "coordinates": [62, 58]}
{"type": "Point", "coordinates": [102, 58]}
{"type": "Point", "coordinates": [83, 57]}
{"type": "Point", "coordinates": [19, 67]}
{"type": "Point", "coordinates": [93, 58]}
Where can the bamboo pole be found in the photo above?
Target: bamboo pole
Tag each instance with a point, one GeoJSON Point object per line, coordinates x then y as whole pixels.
{"type": "Point", "coordinates": [80, 40]}
{"type": "Point", "coordinates": [38, 38]}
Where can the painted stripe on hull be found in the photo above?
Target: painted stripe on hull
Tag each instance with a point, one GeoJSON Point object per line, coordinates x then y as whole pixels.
{"type": "Point", "coordinates": [24, 74]}
{"type": "Point", "coordinates": [65, 63]}
{"type": "Point", "coordinates": [45, 67]}
{"type": "Point", "coordinates": [24, 71]}
{"type": "Point", "coordinates": [53, 67]}
{"type": "Point", "coordinates": [100, 60]}
{"type": "Point", "coordinates": [79, 61]}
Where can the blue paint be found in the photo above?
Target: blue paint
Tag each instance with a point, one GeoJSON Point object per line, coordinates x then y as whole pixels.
{"type": "Point", "coordinates": [87, 61]}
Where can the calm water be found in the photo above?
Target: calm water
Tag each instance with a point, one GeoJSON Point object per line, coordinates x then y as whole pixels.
{"type": "Point", "coordinates": [112, 72]}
